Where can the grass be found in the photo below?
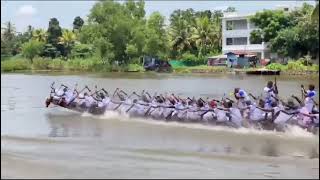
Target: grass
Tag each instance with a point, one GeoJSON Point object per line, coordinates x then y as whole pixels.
{"type": "Point", "coordinates": [77, 64]}
{"type": "Point", "coordinates": [200, 69]}
{"type": "Point", "coordinates": [94, 64]}
{"type": "Point", "coordinates": [15, 65]}
{"type": "Point", "coordinates": [294, 67]}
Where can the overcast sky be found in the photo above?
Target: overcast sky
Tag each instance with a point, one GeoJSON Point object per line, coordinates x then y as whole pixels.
{"type": "Point", "coordinates": [38, 13]}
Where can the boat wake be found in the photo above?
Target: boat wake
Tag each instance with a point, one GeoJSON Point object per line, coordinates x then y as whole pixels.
{"type": "Point", "coordinates": [291, 131]}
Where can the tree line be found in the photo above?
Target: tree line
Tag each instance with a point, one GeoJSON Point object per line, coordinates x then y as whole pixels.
{"type": "Point", "coordinates": [121, 32]}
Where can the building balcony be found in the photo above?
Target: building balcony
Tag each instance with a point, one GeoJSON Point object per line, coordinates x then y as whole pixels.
{"type": "Point", "coordinates": [249, 47]}
{"type": "Point", "coordinates": [236, 33]}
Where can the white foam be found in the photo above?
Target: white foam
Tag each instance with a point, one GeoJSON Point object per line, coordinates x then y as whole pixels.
{"type": "Point", "coordinates": [86, 114]}
{"type": "Point", "coordinates": [298, 132]}
{"type": "Point", "coordinates": [291, 131]}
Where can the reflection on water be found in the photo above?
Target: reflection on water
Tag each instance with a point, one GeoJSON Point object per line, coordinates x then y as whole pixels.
{"type": "Point", "coordinates": [72, 126]}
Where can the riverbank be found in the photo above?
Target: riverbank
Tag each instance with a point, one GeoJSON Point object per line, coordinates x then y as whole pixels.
{"type": "Point", "coordinates": [77, 65]}
{"type": "Point", "coordinates": [96, 65]}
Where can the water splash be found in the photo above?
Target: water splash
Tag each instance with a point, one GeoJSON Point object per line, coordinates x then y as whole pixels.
{"type": "Point", "coordinates": [291, 131]}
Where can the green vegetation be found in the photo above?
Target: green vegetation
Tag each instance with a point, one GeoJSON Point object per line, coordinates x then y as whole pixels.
{"type": "Point", "coordinates": [201, 69]}
{"type": "Point", "coordinates": [120, 34]}
{"type": "Point", "coordinates": [290, 34]}
{"type": "Point", "coordinates": [299, 66]}
{"type": "Point", "coordinates": [32, 49]}
{"type": "Point", "coordinates": [77, 64]}
{"type": "Point", "coordinates": [15, 65]}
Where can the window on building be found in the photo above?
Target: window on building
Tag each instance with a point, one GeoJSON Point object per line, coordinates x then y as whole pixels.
{"type": "Point", "coordinates": [229, 25]}
{"type": "Point", "coordinates": [240, 41]}
{"type": "Point", "coordinates": [229, 41]}
{"type": "Point", "coordinates": [240, 24]}
{"type": "Point", "coordinates": [236, 24]}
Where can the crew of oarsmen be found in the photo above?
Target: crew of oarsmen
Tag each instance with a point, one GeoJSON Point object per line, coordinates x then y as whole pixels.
{"type": "Point", "coordinates": [172, 107]}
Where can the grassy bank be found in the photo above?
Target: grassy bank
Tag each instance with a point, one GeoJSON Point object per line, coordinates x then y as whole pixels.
{"type": "Point", "coordinates": [295, 68]}
{"type": "Point", "coordinates": [96, 65]}
{"type": "Point", "coordinates": [82, 65]}
{"type": "Point", "coordinates": [201, 69]}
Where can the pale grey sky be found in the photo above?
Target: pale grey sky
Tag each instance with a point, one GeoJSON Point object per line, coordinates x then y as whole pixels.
{"type": "Point", "coordinates": [38, 13]}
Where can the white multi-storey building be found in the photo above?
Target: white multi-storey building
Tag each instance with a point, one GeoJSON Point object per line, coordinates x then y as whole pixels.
{"type": "Point", "coordinates": [236, 31]}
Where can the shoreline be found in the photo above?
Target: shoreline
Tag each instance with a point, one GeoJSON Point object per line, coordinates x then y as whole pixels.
{"type": "Point", "coordinates": [174, 72]}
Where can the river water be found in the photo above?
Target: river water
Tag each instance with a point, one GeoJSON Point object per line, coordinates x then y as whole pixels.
{"type": "Point", "coordinates": [39, 142]}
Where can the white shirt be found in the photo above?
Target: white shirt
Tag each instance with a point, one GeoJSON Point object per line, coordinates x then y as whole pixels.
{"type": "Point", "coordinates": [236, 116]}
{"type": "Point", "coordinates": [268, 94]}
{"type": "Point", "coordinates": [309, 101]}
{"type": "Point", "coordinates": [256, 114]}
{"type": "Point", "coordinates": [105, 101]}
{"type": "Point", "coordinates": [89, 100]}
{"type": "Point", "coordinates": [59, 92]}
{"type": "Point", "coordinates": [69, 95]}
{"type": "Point", "coordinates": [221, 115]}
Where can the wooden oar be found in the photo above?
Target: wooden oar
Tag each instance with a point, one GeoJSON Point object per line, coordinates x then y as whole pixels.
{"type": "Point", "coordinates": [114, 93]}
{"type": "Point", "coordinates": [230, 100]}
{"type": "Point", "coordinates": [252, 96]}
{"type": "Point", "coordinates": [124, 92]}
{"type": "Point", "coordinates": [105, 92]}
{"type": "Point", "coordinates": [130, 108]}
{"type": "Point", "coordinates": [275, 85]}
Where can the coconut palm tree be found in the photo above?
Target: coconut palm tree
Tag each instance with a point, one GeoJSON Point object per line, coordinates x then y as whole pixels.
{"type": "Point", "coordinates": [8, 32]}
{"type": "Point", "coordinates": [180, 36]}
{"type": "Point", "coordinates": [205, 35]}
{"type": "Point", "coordinates": [67, 39]}
{"type": "Point", "coordinates": [39, 35]}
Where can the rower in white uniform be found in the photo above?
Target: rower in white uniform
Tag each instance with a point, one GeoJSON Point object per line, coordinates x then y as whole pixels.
{"type": "Point", "coordinates": [270, 91]}
{"type": "Point", "coordinates": [241, 96]}
{"type": "Point", "coordinates": [309, 101]}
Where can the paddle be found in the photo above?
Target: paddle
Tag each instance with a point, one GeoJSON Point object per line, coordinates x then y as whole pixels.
{"type": "Point", "coordinates": [297, 99]}
{"type": "Point", "coordinates": [149, 95]}
{"type": "Point", "coordinates": [230, 100]}
{"type": "Point", "coordinates": [252, 96]}
{"type": "Point", "coordinates": [275, 85]}
{"type": "Point", "coordinates": [95, 90]}
{"type": "Point", "coordinates": [52, 88]}
{"type": "Point", "coordinates": [114, 93]}
{"type": "Point", "coordinates": [124, 92]}
{"type": "Point", "coordinates": [130, 108]}
{"type": "Point", "coordinates": [86, 87]}
{"type": "Point", "coordinates": [105, 92]}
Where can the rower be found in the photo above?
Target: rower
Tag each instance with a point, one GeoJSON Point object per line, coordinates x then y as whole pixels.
{"type": "Point", "coordinates": [88, 101]}
{"type": "Point", "coordinates": [58, 93]}
{"type": "Point", "coordinates": [258, 113]}
{"type": "Point", "coordinates": [269, 93]}
{"type": "Point", "coordinates": [309, 98]}
{"type": "Point", "coordinates": [234, 113]}
{"type": "Point", "coordinates": [241, 96]}
{"type": "Point", "coordinates": [104, 100]}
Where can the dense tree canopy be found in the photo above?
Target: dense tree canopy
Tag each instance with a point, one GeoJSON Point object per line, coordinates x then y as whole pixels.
{"type": "Point", "coordinates": [77, 23]}
{"type": "Point", "coordinates": [32, 49]}
{"type": "Point", "coordinates": [121, 32]}
{"type": "Point", "coordinates": [299, 39]}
